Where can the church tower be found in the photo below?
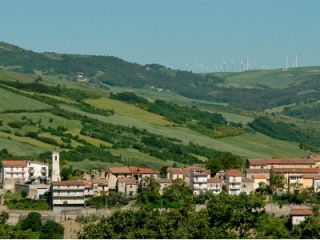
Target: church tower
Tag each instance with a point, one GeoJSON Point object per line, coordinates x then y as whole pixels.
{"type": "Point", "coordinates": [55, 171]}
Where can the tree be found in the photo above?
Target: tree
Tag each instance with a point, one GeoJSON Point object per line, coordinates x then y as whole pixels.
{"type": "Point", "coordinates": [4, 216]}
{"type": "Point", "coordinates": [148, 190]}
{"type": "Point", "coordinates": [33, 222]}
{"type": "Point", "coordinates": [238, 214]}
{"type": "Point", "coordinates": [224, 161]}
{"type": "Point", "coordinates": [178, 191]}
{"type": "Point", "coordinates": [66, 173]}
{"type": "Point", "coordinates": [52, 230]}
{"type": "Point", "coordinates": [278, 181]}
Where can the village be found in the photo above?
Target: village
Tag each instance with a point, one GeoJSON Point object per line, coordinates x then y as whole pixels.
{"type": "Point", "coordinates": [33, 178]}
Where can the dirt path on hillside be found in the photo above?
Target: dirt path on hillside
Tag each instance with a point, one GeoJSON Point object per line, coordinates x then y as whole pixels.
{"type": "Point", "coordinates": [71, 229]}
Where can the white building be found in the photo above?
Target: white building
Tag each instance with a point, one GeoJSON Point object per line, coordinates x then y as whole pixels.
{"type": "Point", "coordinates": [199, 180]}
{"type": "Point", "coordinates": [215, 185]}
{"type": "Point", "coordinates": [21, 171]}
{"type": "Point", "coordinates": [298, 215]}
{"type": "Point", "coordinates": [67, 195]}
{"type": "Point", "coordinates": [233, 182]}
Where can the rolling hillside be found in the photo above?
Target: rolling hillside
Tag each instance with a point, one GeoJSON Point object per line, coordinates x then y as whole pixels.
{"type": "Point", "coordinates": [43, 106]}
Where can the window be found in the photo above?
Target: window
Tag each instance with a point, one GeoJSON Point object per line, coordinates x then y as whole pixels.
{"type": "Point", "coordinates": [56, 158]}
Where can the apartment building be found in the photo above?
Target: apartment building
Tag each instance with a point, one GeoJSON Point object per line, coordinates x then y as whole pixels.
{"type": "Point", "coordinates": [233, 181]}
{"type": "Point", "coordinates": [67, 195]}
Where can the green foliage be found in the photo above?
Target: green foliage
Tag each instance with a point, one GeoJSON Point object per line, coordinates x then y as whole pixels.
{"type": "Point", "coordinates": [212, 124]}
{"type": "Point", "coordinates": [277, 181]}
{"type": "Point", "coordinates": [289, 132]}
{"type": "Point", "coordinates": [178, 192]}
{"type": "Point", "coordinates": [309, 228]}
{"type": "Point", "coordinates": [33, 222]}
{"type": "Point", "coordinates": [4, 216]}
{"type": "Point", "coordinates": [113, 199]}
{"type": "Point", "coordinates": [66, 173]}
{"type": "Point", "coordinates": [273, 227]}
{"type": "Point", "coordinates": [148, 191]}
{"type": "Point", "coordinates": [27, 204]}
{"type": "Point", "coordinates": [224, 161]}
{"type": "Point", "coordinates": [239, 213]}
{"type": "Point", "coordinates": [52, 230]}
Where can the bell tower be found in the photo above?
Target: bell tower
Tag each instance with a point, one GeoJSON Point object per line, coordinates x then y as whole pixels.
{"type": "Point", "coordinates": [55, 171]}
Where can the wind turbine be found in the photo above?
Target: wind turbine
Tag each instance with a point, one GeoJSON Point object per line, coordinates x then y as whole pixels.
{"type": "Point", "coordinates": [224, 65]}
{"type": "Point", "coordinates": [286, 63]}
{"type": "Point", "coordinates": [232, 66]}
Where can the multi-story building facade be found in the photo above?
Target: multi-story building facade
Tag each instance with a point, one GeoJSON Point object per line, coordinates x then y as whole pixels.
{"type": "Point", "coordinates": [21, 171]}
{"type": "Point", "coordinates": [199, 180]}
{"type": "Point", "coordinates": [233, 182]}
{"type": "Point", "coordinates": [215, 185]}
{"type": "Point", "coordinates": [67, 195]}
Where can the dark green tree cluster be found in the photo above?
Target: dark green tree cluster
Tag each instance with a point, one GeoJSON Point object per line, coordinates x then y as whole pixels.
{"type": "Point", "coordinates": [225, 217]}
{"type": "Point", "coordinates": [224, 161]}
{"type": "Point", "coordinates": [29, 228]}
{"type": "Point", "coordinates": [285, 131]}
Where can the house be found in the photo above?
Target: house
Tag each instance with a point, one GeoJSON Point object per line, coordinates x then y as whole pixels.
{"type": "Point", "coordinates": [37, 172]}
{"type": "Point", "coordinates": [163, 184]}
{"type": "Point", "coordinates": [67, 195]}
{"type": "Point", "coordinates": [250, 173]}
{"type": "Point", "coordinates": [259, 178]}
{"type": "Point", "coordinates": [233, 182]}
{"type": "Point", "coordinates": [88, 189]}
{"type": "Point", "coordinates": [174, 173]}
{"type": "Point", "coordinates": [298, 215]}
{"type": "Point", "coordinates": [215, 185]}
{"type": "Point", "coordinates": [139, 173]}
{"type": "Point", "coordinates": [199, 180]}
{"type": "Point", "coordinates": [247, 185]}
{"type": "Point", "coordinates": [294, 176]}
{"type": "Point", "coordinates": [117, 172]}
{"type": "Point", "coordinates": [21, 171]}
{"type": "Point", "coordinates": [100, 185]}
{"type": "Point", "coordinates": [186, 173]}
{"type": "Point", "coordinates": [268, 163]}
{"type": "Point", "coordinates": [127, 185]}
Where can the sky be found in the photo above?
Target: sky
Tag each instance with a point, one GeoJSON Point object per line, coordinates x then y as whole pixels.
{"type": "Point", "coordinates": [197, 35]}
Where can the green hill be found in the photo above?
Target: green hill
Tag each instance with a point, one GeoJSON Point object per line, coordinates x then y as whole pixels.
{"type": "Point", "coordinates": [250, 90]}
{"type": "Point", "coordinates": [44, 105]}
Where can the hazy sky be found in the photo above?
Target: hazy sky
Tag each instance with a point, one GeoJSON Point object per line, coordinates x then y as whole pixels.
{"type": "Point", "coordinates": [184, 34]}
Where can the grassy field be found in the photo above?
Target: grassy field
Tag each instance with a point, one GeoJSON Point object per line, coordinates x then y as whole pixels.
{"type": "Point", "coordinates": [129, 111]}
{"type": "Point", "coordinates": [243, 145]}
{"type": "Point", "coordinates": [13, 76]}
{"type": "Point", "coordinates": [277, 78]}
{"type": "Point", "coordinates": [19, 147]}
{"type": "Point", "coordinates": [12, 101]}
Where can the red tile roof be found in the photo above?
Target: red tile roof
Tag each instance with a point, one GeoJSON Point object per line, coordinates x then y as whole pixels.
{"type": "Point", "coordinates": [14, 163]}
{"type": "Point", "coordinates": [214, 180]}
{"type": "Point", "coordinates": [234, 173]}
{"type": "Point", "coordinates": [87, 184]}
{"type": "Point", "coordinates": [119, 170]}
{"type": "Point", "coordinates": [295, 170]}
{"type": "Point", "coordinates": [100, 181]}
{"type": "Point", "coordinates": [189, 168]}
{"type": "Point", "coordinates": [259, 176]}
{"type": "Point", "coordinates": [127, 180]}
{"type": "Point", "coordinates": [300, 212]}
{"type": "Point", "coordinates": [137, 170]}
{"type": "Point", "coordinates": [311, 176]}
{"type": "Point", "coordinates": [258, 170]}
{"type": "Point", "coordinates": [68, 183]}
{"type": "Point", "coordinates": [175, 170]}
{"type": "Point", "coordinates": [283, 161]}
